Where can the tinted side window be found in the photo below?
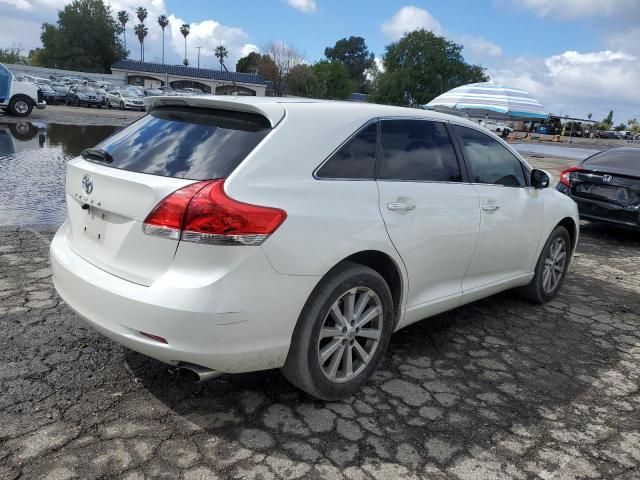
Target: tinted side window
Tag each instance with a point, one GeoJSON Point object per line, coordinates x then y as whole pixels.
{"type": "Point", "coordinates": [489, 161]}
{"type": "Point", "coordinates": [417, 150]}
{"type": "Point", "coordinates": [356, 159]}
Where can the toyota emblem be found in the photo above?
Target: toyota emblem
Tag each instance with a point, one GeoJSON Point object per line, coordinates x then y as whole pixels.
{"type": "Point", "coordinates": [607, 178]}
{"type": "Point", "coordinates": [87, 184]}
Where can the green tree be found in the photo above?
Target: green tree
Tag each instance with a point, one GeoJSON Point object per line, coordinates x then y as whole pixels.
{"type": "Point", "coordinates": [185, 29]}
{"type": "Point", "coordinates": [123, 18]}
{"type": "Point", "coordinates": [84, 38]}
{"type": "Point", "coordinates": [608, 119]}
{"type": "Point", "coordinates": [303, 82]}
{"type": "Point", "coordinates": [620, 127]}
{"type": "Point", "coordinates": [35, 57]}
{"type": "Point", "coordinates": [12, 55]}
{"type": "Point", "coordinates": [221, 53]}
{"type": "Point", "coordinates": [141, 32]}
{"type": "Point", "coordinates": [163, 21]}
{"type": "Point", "coordinates": [421, 65]}
{"type": "Point", "coordinates": [249, 64]}
{"type": "Point", "coordinates": [355, 55]}
{"type": "Point", "coordinates": [334, 79]}
{"type": "Point", "coordinates": [142, 14]}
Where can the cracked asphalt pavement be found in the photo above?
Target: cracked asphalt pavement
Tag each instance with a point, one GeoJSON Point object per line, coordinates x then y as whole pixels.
{"type": "Point", "coordinates": [498, 389]}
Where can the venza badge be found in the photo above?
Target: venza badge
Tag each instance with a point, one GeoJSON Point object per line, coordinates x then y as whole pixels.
{"type": "Point", "coordinates": [607, 178]}
{"type": "Point", "coordinates": [87, 184]}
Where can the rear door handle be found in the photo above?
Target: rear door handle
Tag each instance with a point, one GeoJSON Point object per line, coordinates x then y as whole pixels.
{"type": "Point", "coordinates": [401, 206]}
{"type": "Point", "coordinates": [490, 208]}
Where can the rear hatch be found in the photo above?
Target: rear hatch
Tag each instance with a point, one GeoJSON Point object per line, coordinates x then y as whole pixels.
{"type": "Point", "coordinates": [112, 188]}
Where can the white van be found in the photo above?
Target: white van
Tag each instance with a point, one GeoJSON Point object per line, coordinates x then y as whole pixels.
{"type": "Point", "coordinates": [18, 98]}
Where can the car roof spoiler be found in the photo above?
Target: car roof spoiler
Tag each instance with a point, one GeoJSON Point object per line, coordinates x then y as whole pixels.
{"type": "Point", "coordinates": [274, 112]}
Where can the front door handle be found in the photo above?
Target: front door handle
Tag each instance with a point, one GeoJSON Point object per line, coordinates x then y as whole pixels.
{"type": "Point", "coordinates": [401, 206]}
{"type": "Point", "coordinates": [490, 208]}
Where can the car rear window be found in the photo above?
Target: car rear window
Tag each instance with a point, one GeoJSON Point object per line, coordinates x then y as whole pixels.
{"type": "Point", "coordinates": [190, 143]}
{"type": "Point", "coordinates": [625, 158]}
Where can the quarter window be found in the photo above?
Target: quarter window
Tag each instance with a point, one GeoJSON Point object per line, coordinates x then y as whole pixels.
{"type": "Point", "coordinates": [417, 150]}
{"type": "Point", "coordinates": [356, 159]}
{"type": "Point", "coordinates": [488, 160]}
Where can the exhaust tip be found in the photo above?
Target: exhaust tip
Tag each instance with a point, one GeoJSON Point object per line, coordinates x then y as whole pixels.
{"type": "Point", "coordinates": [202, 374]}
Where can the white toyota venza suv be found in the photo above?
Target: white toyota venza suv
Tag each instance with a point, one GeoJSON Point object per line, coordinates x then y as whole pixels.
{"type": "Point", "coordinates": [234, 234]}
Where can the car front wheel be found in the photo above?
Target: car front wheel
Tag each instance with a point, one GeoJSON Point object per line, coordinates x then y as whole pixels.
{"type": "Point", "coordinates": [551, 268]}
{"type": "Point", "coordinates": [342, 333]}
{"type": "Point", "coordinates": [20, 106]}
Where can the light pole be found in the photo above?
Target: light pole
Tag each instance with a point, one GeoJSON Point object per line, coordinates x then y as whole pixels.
{"type": "Point", "coordinates": [198, 56]}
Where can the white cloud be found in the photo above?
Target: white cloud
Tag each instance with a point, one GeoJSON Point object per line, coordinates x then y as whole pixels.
{"type": "Point", "coordinates": [576, 83]}
{"type": "Point", "coordinates": [571, 9]}
{"type": "Point", "coordinates": [306, 6]}
{"type": "Point", "coordinates": [408, 19]}
{"type": "Point", "coordinates": [247, 48]}
{"type": "Point", "coordinates": [19, 4]}
{"type": "Point", "coordinates": [480, 46]}
{"type": "Point", "coordinates": [207, 34]}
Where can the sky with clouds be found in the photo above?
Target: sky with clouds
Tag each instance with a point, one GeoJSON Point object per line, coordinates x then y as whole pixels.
{"type": "Point", "coordinates": [576, 56]}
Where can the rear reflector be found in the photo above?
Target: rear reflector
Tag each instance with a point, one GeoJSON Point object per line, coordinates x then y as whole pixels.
{"type": "Point", "coordinates": [565, 175]}
{"type": "Point", "coordinates": [203, 213]}
{"type": "Point", "coordinates": [154, 337]}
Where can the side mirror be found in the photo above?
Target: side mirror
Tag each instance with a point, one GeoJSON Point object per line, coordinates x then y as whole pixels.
{"type": "Point", "coordinates": [540, 178]}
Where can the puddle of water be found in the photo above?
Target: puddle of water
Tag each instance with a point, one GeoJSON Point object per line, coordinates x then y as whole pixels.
{"type": "Point", "coordinates": [33, 160]}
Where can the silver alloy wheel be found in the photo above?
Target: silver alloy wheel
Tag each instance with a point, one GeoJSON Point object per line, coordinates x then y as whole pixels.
{"type": "Point", "coordinates": [21, 107]}
{"type": "Point", "coordinates": [350, 334]}
{"type": "Point", "coordinates": [554, 265]}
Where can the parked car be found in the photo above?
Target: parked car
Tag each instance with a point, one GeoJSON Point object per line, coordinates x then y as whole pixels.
{"type": "Point", "coordinates": [192, 91]}
{"type": "Point", "coordinates": [16, 97]}
{"type": "Point", "coordinates": [83, 95]}
{"type": "Point", "coordinates": [152, 92]}
{"type": "Point", "coordinates": [200, 236]}
{"type": "Point", "coordinates": [500, 128]}
{"type": "Point", "coordinates": [124, 99]}
{"type": "Point", "coordinates": [170, 92]}
{"type": "Point", "coordinates": [48, 93]}
{"type": "Point", "coordinates": [135, 90]}
{"type": "Point", "coordinates": [606, 187]}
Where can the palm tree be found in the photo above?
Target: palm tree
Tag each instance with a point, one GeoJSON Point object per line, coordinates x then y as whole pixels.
{"type": "Point", "coordinates": [221, 53]}
{"type": "Point", "coordinates": [141, 31]}
{"type": "Point", "coordinates": [185, 29]}
{"type": "Point", "coordinates": [141, 13]}
{"type": "Point", "coordinates": [123, 18]}
{"type": "Point", "coordinates": [163, 21]}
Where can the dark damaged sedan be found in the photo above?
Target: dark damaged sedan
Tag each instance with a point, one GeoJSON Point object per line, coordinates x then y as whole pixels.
{"type": "Point", "coordinates": [606, 187]}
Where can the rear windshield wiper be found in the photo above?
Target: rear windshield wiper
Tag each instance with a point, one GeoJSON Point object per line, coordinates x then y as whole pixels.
{"type": "Point", "coordinates": [97, 155]}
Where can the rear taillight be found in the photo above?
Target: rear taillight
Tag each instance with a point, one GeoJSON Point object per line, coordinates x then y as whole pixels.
{"type": "Point", "coordinates": [203, 213]}
{"type": "Point", "coordinates": [565, 175]}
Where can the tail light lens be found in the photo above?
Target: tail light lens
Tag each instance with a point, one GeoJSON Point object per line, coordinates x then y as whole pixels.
{"type": "Point", "coordinates": [203, 213]}
{"type": "Point", "coordinates": [565, 175]}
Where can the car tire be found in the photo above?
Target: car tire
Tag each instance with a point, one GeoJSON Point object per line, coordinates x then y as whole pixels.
{"type": "Point", "coordinates": [77, 102]}
{"type": "Point", "coordinates": [319, 363]}
{"type": "Point", "coordinates": [121, 105]}
{"type": "Point", "coordinates": [20, 106]}
{"type": "Point", "coordinates": [551, 268]}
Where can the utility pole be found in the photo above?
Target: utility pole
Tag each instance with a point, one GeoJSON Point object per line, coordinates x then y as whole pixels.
{"type": "Point", "coordinates": [198, 56]}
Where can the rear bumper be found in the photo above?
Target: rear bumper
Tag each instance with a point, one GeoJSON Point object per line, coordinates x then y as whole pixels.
{"type": "Point", "coordinates": [238, 322]}
{"type": "Point", "coordinates": [623, 216]}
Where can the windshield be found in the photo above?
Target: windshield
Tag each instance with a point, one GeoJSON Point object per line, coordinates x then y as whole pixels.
{"type": "Point", "coordinates": [184, 142]}
{"type": "Point", "coordinates": [127, 93]}
{"type": "Point", "coordinates": [83, 89]}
